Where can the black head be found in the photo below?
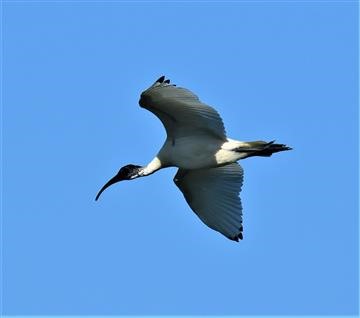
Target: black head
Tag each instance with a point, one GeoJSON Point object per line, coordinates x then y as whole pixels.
{"type": "Point", "coordinates": [127, 172]}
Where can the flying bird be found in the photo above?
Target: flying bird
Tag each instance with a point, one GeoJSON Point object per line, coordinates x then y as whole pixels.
{"type": "Point", "coordinates": [208, 176]}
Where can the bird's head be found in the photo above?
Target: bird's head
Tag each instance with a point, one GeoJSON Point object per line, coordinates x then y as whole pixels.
{"type": "Point", "coordinates": [128, 172]}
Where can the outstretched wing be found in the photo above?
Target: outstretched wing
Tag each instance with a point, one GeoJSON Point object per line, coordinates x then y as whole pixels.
{"type": "Point", "coordinates": [181, 111]}
{"type": "Point", "coordinates": [213, 194]}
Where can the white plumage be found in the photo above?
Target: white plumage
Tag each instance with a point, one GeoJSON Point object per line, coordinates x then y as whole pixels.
{"type": "Point", "coordinates": [209, 176]}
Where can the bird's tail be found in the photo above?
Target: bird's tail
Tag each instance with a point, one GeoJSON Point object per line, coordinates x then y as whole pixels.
{"type": "Point", "coordinates": [262, 148]}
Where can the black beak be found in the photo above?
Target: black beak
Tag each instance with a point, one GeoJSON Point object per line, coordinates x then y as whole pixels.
{"type": "Point", "coordinates": [113, 180]}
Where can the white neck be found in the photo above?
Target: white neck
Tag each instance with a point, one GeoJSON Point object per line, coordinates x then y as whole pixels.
{"type": "Point", "coordinates": [153, 166]}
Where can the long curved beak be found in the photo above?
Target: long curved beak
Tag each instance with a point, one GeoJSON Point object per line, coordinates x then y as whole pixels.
{"type": "Point", "coordinates": [108, 184]}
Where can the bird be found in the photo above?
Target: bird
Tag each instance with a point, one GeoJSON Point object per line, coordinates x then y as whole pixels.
{"type": "Point", "coordinates": [209, 175]}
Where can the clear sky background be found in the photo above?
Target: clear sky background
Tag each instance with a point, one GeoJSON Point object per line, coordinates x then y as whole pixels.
{"type": "Point", "coordinates": [73, 72]}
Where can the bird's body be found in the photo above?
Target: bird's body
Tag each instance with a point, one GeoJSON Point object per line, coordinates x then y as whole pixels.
{"type": "Point", "coordinates": [209, 175]}
{"type": "Point", "coordinates": [198, 153]}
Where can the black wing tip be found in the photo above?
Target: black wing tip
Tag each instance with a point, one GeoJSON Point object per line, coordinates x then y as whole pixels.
{"type": "Point", "coordinates": [239, 236]}
{"type": "Point", "coordinates": [161, 79]}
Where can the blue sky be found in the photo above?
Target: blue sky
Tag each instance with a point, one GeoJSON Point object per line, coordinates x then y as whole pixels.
{"type": "Point", "coordinates": [73, 72]}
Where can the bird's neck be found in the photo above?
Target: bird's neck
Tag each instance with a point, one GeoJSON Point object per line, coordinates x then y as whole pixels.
{"type": "Point", "coordinates": [152, 166]}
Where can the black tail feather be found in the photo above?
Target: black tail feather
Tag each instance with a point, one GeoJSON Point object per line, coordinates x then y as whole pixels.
{"type": "Point", "coordinates": [263, 149]}
{"type": "Point", "coordinates": [271, 148]}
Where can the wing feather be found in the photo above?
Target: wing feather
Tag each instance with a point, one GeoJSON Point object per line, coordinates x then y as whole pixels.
{"type": "Point", "coordinates": [213, 194]}
{"type": "Point", "coordinates": [181, 111]}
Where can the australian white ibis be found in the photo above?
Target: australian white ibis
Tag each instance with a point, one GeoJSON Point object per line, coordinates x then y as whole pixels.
{"type": "Point", "coordinates": [209, 176]}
